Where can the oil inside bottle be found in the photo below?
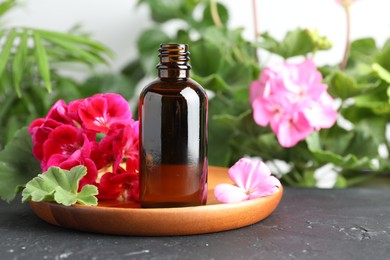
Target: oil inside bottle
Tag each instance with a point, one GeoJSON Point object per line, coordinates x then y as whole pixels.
{"type": "Point", "coordinates": [173, 135]}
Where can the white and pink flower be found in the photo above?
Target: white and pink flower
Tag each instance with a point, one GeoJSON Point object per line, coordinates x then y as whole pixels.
{"type": "Point", "coordinates": [292, 99]}
{"type": "Point", "coordinates": [252, 180]}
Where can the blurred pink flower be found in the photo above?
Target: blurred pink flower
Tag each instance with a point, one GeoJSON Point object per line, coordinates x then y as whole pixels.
{"type": "Point", "coordinates": [253, 180]}
{"type": "Point", "coordinates": [292, 99]}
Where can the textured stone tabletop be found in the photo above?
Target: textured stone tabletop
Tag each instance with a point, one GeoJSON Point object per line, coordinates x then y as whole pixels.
{"type": "Point", "coordinates": [308, 224]}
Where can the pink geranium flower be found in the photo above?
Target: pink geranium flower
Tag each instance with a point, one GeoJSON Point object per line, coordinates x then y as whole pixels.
{"type": "Point", "coordinates": [253, 180]}
{"type": "Point", "coordinates": [66, 147]}
{"type": "Point", "coordinates": [121, 144]}
{"type": "Point", "coordinates": [101, 111]}
{"type": "Point", "coordinates": [120, 183]}
{"type": "Point", "coordinates": [292, 99]}
{"type": "Point", "coordinates": [97, 132]}
{"type": "Point", "coordinates": [65, 142]}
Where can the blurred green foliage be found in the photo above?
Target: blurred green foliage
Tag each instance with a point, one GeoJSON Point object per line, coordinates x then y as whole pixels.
{"type": "Point", "coordinates": [225, 63]}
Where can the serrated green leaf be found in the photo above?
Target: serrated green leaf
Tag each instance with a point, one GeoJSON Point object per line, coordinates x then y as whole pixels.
{"type": "Point", "coordinates": [42, 61]}
{"type": "Point", "coordinates": [17, 165]}
{"type": "Point", "coordinates": [64, 197]}
{"type": "Point", "coordinates": [60, 186]}
{"type": "Point", "coordinates": [18, 63]}
{"type": "Point", "coordinates": [84, 196]}
{"type": "Point", "coordinates": [6, 50]}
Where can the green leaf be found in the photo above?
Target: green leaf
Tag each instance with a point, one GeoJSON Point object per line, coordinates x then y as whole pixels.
{"type": "Point", "coordinates": [313, 142]}
{"type": "Point", "coordinates": [75, 49]}
{"type": "Point", "coordinates": [6, 50]}
{"type": "Point", "coordinates": [341, 182]}
{"type": "Point", "coordinates": [237, 75]}
{"type": "Point", "coordinates": [350, 161]}
{"type": "Point", "coordinates": [382, 72]}
{"type": "Point", "coordinates": [6, 6]}
{"type": "Point", "coordinates": [165, 10]}
{"type": "Point", "coordinates": [295, 43]}
{"type": "Point", "coordinates": [362, 50]}
{"type": "Point", "coordinates": [17, 165]}
{"type": "Point", "coordinates": [212, 82]}
{"type": "Point", "coordinates": [42, 60]}
{"type": "Point", "coordinates": [344, 87]}
{"type": "Point", "coordinates": [19, 62]}
{"type": "Point", "coordinates": [346, 156]}
{"type": "Point", "coordinates": [223, 13]}
{"type": "Point", "coordinates": [206, 58]}
{"type": "Point", "coordinates": [377, 102]}
{"type": "Point", "coordinates": [116, 83]}
{"type": "Point", "coordinates": [134, 72]}
{"type": "Point", "coordinates": [388, 93]}
{"type": "Point", "coordinates": [148, 44]}
{"type": "Point", "coordinates": [383, 57]}
{"type": "Point", "coordinates": [61, 186]}
{"type": "Point", "coordinates": [75, 39]}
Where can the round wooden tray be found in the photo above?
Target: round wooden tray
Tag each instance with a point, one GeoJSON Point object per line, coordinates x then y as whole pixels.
{"type": "Point", "coordinates": [126, 218]}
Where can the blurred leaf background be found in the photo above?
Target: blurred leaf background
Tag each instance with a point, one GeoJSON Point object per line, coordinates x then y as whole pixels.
{"type": "Point", "coordinates": [225, 63]}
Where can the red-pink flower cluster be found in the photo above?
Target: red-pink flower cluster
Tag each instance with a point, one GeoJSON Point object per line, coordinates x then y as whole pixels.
{"type": "Point", "coordinates": [292, 99]}
{"type": "Point", "coordinates": [97, 132]}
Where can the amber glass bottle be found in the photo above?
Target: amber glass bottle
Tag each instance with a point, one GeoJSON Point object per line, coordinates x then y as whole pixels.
{"type": "Point", "coordinates": [173, 134]}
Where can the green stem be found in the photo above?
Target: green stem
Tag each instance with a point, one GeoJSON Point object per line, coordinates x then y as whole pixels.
{"type": "Point", "coordinates": [238, 54]}
{"type": "Point", "coordinates": [214, 14]}
{"type": "Point", "coordinates": [348, 39]}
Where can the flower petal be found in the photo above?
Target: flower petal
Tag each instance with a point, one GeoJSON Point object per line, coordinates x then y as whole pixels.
{"type": "Point", "coordinates": [227, 193]}
{"type": "Point", "coordinates": [268, 186]}
{"type": "Point", "coordinates": [290, 132]}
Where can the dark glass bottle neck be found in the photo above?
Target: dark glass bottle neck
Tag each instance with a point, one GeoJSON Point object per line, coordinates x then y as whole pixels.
{"type": "Point", "coordinates": [174, 61]}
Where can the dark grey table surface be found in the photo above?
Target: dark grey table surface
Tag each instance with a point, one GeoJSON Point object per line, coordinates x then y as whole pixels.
{"type": "Point", "coordinates": [308, 224]}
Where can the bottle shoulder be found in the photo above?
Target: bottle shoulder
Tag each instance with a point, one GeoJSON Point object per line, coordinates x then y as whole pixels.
{"type": "Point", "coordinates": [167, 87]}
